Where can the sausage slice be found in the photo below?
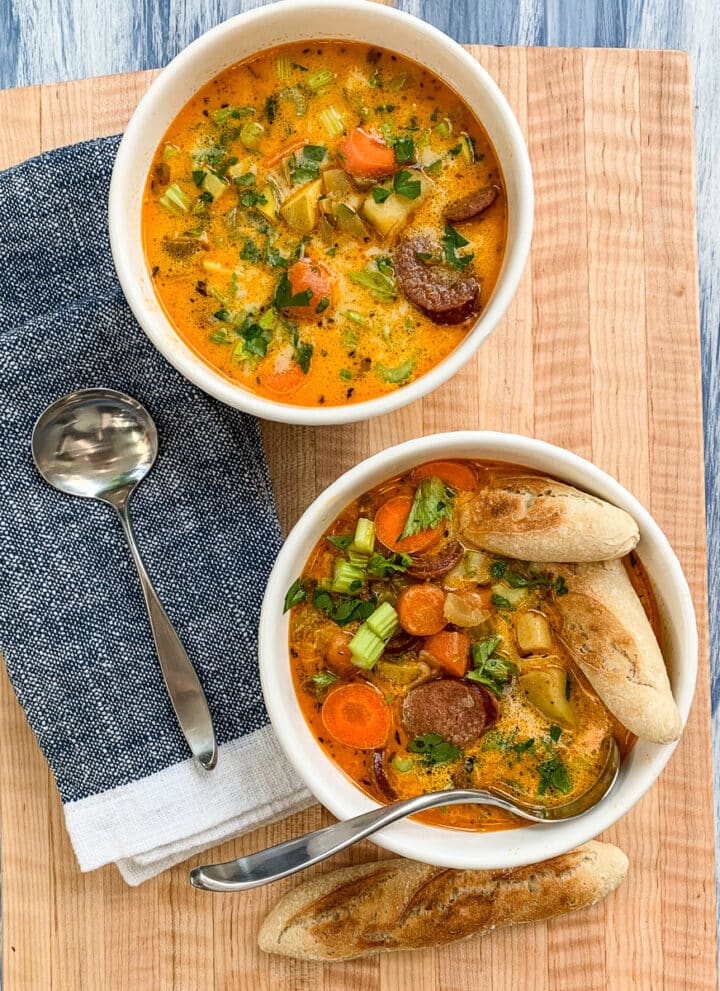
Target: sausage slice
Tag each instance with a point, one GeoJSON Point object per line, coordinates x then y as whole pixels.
{"type": "Point", "coordinates": [455, 710]}
{"type": "Point", "coordinates": [446, 296]}
{"type": "Point", "coordinates": [471, 205]}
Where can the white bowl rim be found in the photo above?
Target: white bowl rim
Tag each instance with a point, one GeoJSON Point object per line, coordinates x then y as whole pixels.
{"type": "Point", "coordinates": [464, 849]}
{"type": "Point", "coordinates": [157, 325]}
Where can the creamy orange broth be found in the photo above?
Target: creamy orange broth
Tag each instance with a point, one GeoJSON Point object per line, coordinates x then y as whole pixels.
{"type": "Point", "coordinates": [216, 264]}
{"type": "Point", "coordinates": [497, 758]}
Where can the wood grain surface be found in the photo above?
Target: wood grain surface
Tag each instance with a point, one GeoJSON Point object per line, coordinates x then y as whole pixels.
{"type": "Point", "coordinates": [598, 352]}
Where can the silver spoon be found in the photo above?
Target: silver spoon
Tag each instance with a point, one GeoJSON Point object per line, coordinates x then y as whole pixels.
{"type": "Point", "coordinates": [295, 855]}
{"type": "Point", "coordinates": [100, 444]}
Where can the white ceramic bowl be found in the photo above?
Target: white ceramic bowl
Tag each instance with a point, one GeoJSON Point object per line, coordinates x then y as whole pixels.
{"type": "Point", "coordinates": [437, 845]}
{"type": "Point", "coordinates": [254, 31]}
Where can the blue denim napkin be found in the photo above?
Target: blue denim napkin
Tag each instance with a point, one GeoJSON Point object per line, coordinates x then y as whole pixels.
{"type": "Point", "coordinates": [73, 630]}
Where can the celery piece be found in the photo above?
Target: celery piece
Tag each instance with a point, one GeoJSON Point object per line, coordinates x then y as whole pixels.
{"type": "Point", "coordinates": [397, 375]}
{"type": "Point", "coordinates": [364, 539]}
{"type": "Point", "coordinates": [346, 577]}
{"type": "Point", "coordinates": [250, 135]}
{"type": "Point", "coordinates": [383, 622]}
{"type": "Point", "coordinates": [333, 121]}
{"type": "Point", "coordinates": [175, 200]}
{"type": "Point", "coordinates": [283, 68]}
{"type": "Point", "coordinates": [366, 647]}
{"type": "Point", "coordinates": [296, 97]}
{"type": "Point", "coordinates": [357, 558]}
{"type": "Point", "coordinates": [316, 80]}
{"type": "Point", "coordinates": [168, 152]}
{"type": "Point", "coordinates": [467, 149]}
{"type": "Point", "coordinates": [444, 128]}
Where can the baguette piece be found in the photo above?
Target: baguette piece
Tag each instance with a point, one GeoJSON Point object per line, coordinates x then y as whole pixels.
{"type": "Point", "coordinates": [401, 904]}
{"type": "Point", "coordinates": [605, 629]}
{"type": "Point", "coordinates": [531, 518]}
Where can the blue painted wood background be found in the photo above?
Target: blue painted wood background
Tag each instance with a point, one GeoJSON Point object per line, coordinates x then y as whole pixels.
{"type": "Point", "coordinates": [44, 41]}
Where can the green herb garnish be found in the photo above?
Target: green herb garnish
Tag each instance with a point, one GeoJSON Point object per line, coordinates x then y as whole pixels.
{"type": "Point", "coordinates": [404, 149]}
{"type": "Point", "coordinates": [491, 671]}
{"type": "Point", "coordinates": [343, 609]}
{"type": "Point", "coordinates": [451, 242]}
{"type": "Point", "coordinates": [305, 166]}
{"type": "Point", "coordinates": [554, 776]}
{"type": "Point", "coordinates": [560, 586]}
{"type": "Point", "coordinates": [380, 283]}
{"type": "Point", "coordinates": [434, 750]}
{"type": "Point", "coordinates": [380, 193]}
{"type": "Point", "coordinates": [323, 680]}
{"type": "Point", "coordinates": [295, 594]}
{"type": "Point", "coordinates": [432, 504]}
{"type": "Point", "coordinates": [405, 185]}
{"type": "Point", "coordinates": [385, 567]}
{"type": "Point", "coordinates": [341, 540]}
{"type": "Point", "coordinates": [500, 602]}
{"type": "Point", "coordinates": [283, 296]}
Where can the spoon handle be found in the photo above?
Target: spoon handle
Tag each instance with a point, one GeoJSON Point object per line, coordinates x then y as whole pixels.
{"type": "Point", "coordinates": [295, 855]}
{"type": "Point", "coordinates": [183, 685]}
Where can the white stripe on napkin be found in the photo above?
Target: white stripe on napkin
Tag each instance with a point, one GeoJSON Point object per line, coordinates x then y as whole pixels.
{"type": "Point", "coordinates": [148, 825]}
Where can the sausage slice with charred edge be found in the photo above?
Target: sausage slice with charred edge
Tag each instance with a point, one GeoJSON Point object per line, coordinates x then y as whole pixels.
{"type": "Point", "coordinates": [443, 294]}
{"type": "Point", "coordinates": [471, 205]}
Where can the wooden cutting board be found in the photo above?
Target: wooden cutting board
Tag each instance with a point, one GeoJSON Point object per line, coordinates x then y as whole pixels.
{"type": "Point", "coordinates": [599, 353]}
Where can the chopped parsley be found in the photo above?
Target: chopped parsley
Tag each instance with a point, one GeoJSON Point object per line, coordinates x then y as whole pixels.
{"type": "Point", "coordinates": [305, 166]}
{"type": "Point", "coordinates": [555, 733]}
{"type": "Point", "coordinates": [343, 609]}
{"type": "Point", "coordinates": [500, 602]}
{"type": "Point", "coordinates": [560, 586]}
{"type": "Point", "coordinates": [404, 149]}
{"type": "Point", "coordinates": [341, 540]}
{"type": "Point", "coordinates": [295, 594]}
{"type": "Point", "coordinates": [322, 680]}
{"type": "Point", "coordinates": [250, 252]}
{"type": "Point", "coordinates": [491, 671]}
{"type": "Point", "coordinates": [303, 354]}
{"type": "Point", "coordinates": [554, 776]}
{"type": "Point", "coordinates": [434, 750]}
{"type": "Point", "coordinates": [378, 279]}
{"type": "Point", "coordinates": [432, 504]}
{"type": "Point", "coordinates": [405, 185]}
{"type": "Point", "coordinates": [380, 193]}
{"type": "Point", "coordinates": [283, 295]}
{"type": "Point", "coordinates": [385, 567]}
{"type": "Point", "coordinates": [322, 305]}
{"type": "Point", "coordinates": [452, 240]}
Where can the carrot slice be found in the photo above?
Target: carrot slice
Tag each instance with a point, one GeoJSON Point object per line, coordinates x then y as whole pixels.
{"type": "Point", "coordinates": [308, 274]}
{"type": "Point", "coordinates": [357, 716]}
{"type": "Point", "coordinates": [281, 374]}
{"type": "Point", "coordinates": [455, 474]}
{"type": "Point", "coordinates": [390, 520]}
{"type": "Point", "coordinates": [366, 156]}
{"type": "Point", "coordinates": [451, 650]}
{"type": "Point", "coordinates": [420, 609]}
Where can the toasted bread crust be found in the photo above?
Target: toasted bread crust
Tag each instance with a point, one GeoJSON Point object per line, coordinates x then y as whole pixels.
{"type": "Point", "coordinates": [532, 518]}
{"type": "Point", "coordinates": [604, 626]}
{"type": "Point", "coordinates": [401, 904]}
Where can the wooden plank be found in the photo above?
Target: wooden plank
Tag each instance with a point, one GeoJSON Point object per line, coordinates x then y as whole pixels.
{"type": "Point", "coordinates": [599, 352]}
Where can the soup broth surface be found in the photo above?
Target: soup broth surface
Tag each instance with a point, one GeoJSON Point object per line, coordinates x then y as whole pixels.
{"type": "Point", "coordinates": [524, 752]}
{"type": "Point", "coordinates": [249, 207]}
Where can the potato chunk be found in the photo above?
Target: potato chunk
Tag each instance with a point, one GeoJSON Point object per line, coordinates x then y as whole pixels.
{"type": "Point", "coordinates": [533, 633]}
{"type": "Point", "coordinates": [545, 689]}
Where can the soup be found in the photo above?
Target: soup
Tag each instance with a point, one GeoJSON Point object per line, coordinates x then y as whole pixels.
{"type": "Point", "coordinates": [324, 222]}
{"type": "Point", "coordinates": [421, 663]}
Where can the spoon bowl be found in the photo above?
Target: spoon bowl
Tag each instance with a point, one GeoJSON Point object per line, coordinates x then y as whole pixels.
{"type": "Point", "coordinates": [94, 443]}
{"type": "Point", "coordinates": [99, 444]}
{"type": "Point", "coordinates": [295, 855]}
